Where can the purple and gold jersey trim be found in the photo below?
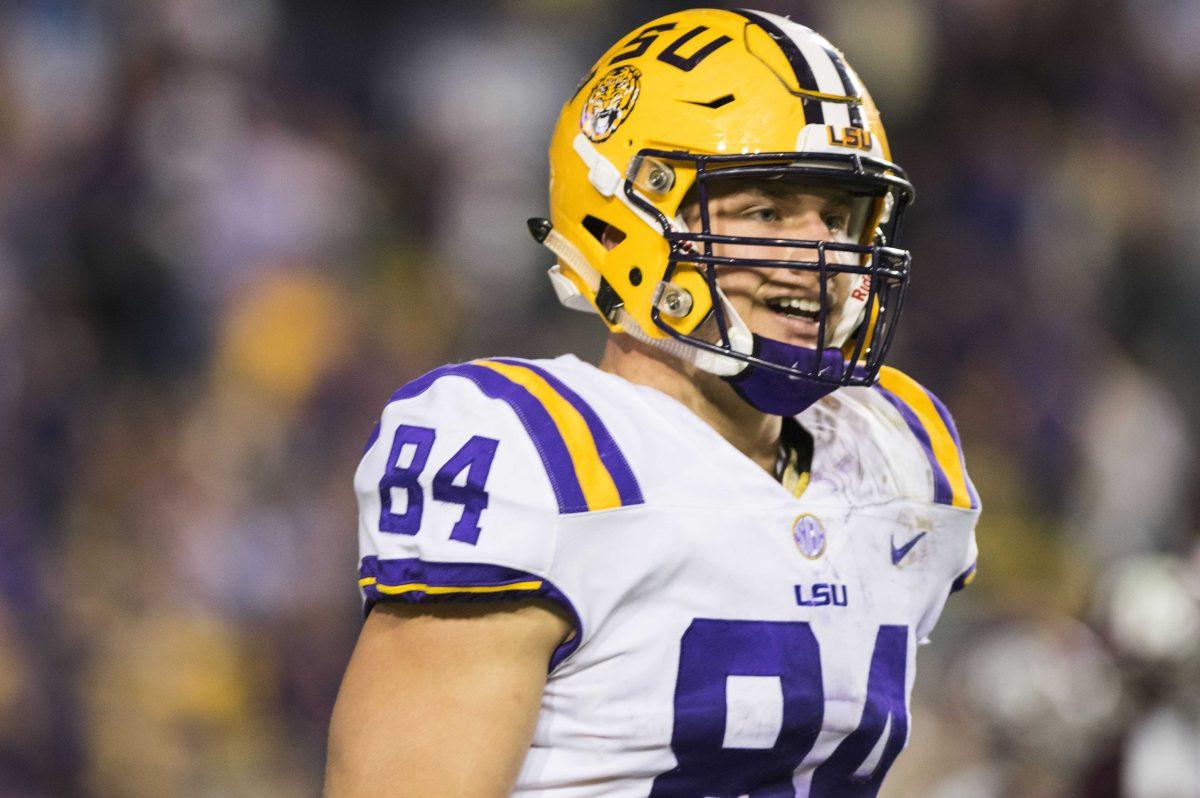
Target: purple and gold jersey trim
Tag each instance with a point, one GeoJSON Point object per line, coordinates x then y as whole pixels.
{"type": "Point", "coordinates": [415, 581]}
{"type": "Point", "coordinates": [606, 448]}
{"type": "Point", "coordinates": [944, 414]}
{"type": "Point", "coordinates": [932, 426]}
{"type": "Point", "coordinates": [586, 468]}
{"type": "Point", "coordinates": [963, 579]}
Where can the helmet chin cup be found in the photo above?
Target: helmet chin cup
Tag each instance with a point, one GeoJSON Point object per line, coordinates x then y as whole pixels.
{"type": "Point", "coordinates": [778, 393]}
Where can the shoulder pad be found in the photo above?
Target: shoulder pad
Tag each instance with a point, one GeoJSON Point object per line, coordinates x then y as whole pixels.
{"type": "Point", "coordinates": [930, 423]}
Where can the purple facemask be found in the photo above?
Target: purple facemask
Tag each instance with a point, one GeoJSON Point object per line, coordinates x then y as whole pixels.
{"type": "Point", "coordinates": [778, 394]}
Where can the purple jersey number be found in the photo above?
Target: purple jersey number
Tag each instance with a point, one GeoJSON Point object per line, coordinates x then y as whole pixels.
{"type": "Point", "coordinates": [475, 458]}
{"type": "Point", "coordinates": [845, 773]}
{"type": "Point", "coordinates": [407, 477]}
{"type": "Point", "coordinates": [714, 650]}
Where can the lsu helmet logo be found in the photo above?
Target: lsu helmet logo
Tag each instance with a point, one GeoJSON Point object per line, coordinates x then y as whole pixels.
{"type": "Point", "coordinates": [858, 138]}
{"type": "Point", "coordinates": [610, 102]}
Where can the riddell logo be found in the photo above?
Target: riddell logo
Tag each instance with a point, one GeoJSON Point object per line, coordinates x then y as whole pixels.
{"type": "Point", "coordinates": [857, 138]}
{"type": "Point", "coordinates": [863, 290]}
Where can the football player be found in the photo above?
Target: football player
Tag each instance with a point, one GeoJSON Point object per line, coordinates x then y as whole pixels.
{"type": "Point", "coordinates": [703, 567]}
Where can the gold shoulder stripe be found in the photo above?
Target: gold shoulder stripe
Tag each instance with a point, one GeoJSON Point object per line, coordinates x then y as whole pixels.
{"type": "Point", "coordinates": [438, 590]}
{"type": "Point", "coordinates": [945, 450]}
{"type": "Point", "coordinates": [596, 482]}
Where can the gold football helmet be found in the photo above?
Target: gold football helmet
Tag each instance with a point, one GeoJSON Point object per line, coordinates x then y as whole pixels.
{"type": "Point", "coordinates": [705, 95]}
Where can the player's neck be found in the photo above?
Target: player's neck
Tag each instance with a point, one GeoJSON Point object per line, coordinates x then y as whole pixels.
{"type": "Point", "coordinates": [753, 433]}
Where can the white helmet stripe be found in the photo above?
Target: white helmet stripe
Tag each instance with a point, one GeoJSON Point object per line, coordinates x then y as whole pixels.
{"type": "Point", "coordinates": [813, 111]}
{"type": "Point", "coordinates": [818, 53]}
{"type": "Point", "coordinates": [850, 89]}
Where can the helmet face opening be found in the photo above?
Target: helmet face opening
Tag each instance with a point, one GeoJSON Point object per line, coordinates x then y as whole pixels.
{"type": "Point", "coordinates": [861, 282]}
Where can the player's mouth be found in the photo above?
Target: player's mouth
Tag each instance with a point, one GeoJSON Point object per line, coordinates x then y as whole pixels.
{"type": "Point", "coordinates": [797, 318]}
{"type": "Point", "coordinates": [795, 307]}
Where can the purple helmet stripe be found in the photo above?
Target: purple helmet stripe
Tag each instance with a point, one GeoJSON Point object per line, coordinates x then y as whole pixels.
{"type": "Point", "coordinates": [856, 115]}
{"type": "Point", "coordinates": [610, 454]}
{"type": "Point", "coordinates": [813, 111]}
{"type": "Point", "coordinates": [942, 493]}
{"type": "Point", "coordinates": [537, 422]}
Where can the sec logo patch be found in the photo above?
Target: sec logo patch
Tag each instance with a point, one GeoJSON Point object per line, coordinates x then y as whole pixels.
{"type": "Point", "coordinates": [610, 102]}
{"type": "Point", "coordinates": [809, 535]}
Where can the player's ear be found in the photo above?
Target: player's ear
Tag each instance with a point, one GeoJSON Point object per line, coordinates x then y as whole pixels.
{"type": "Point", "coordinates": [611, 236]}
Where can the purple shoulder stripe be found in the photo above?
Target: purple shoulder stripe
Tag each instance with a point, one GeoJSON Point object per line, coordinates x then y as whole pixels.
{"type": "Point", "coordinates": [942, 493]}
{"type": "Point", "coordinates": [416, 581]}
{"type": "Point", "coordinates": [537, 422]}
{"type": "Point", "coordinates": [948, 420]}
{"type": "Point", "coordinates": [962, 579]}
{"type": "Point", "coordinates": [374, 436]}
{"type": "Point", "coordinates": [610, 454]}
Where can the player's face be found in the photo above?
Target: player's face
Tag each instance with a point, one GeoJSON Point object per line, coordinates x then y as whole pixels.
{"type": "Point", "coordinates": [782, 303]}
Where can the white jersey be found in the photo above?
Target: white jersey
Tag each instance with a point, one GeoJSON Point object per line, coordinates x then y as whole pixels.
{"type": "Point", "coordinates": [731, 638]}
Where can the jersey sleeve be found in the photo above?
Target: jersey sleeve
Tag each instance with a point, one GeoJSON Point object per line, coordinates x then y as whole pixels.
{"type": "Point", "coordinates": [462, 489]}
{"type": "Point", "coordinates": [949, 485]}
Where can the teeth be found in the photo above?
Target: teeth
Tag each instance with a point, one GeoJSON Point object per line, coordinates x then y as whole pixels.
{"type": "Point", "coordinates": [797, 303]}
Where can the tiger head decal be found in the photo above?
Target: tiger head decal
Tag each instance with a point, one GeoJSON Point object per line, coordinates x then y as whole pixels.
{"type": "Point", "coordinates": [610, 103]}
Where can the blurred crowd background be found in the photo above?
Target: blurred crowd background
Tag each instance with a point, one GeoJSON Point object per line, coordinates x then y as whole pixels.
{"type": "Point", "coordinates": [229, 229]}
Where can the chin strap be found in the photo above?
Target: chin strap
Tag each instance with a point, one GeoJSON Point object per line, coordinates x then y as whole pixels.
{"type": "Point", "coordinates": [565, 289]}
{"type": "Point", "coordinates": [713, 363]}
{"type": "Point", "coordinates": [782, 395]}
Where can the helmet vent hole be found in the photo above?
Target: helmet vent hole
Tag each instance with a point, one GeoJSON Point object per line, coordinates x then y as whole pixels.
{"type": "Point", "coordinates": [635, 276]}
{"type": "Point", "coordinates": [603, 232]}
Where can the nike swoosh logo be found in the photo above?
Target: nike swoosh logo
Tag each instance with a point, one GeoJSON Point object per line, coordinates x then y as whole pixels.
{"type": "Point", "coordinates": [898, 553]}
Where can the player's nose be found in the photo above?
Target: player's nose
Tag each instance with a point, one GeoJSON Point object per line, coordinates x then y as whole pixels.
{"type": "Point", "coordinates": [809, 227]}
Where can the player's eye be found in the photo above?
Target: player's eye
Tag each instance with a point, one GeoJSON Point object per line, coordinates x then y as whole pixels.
{"type": "Point", "coordinates": [836, 221]}
{"type": "Point", "coordinates": [762, 213]}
